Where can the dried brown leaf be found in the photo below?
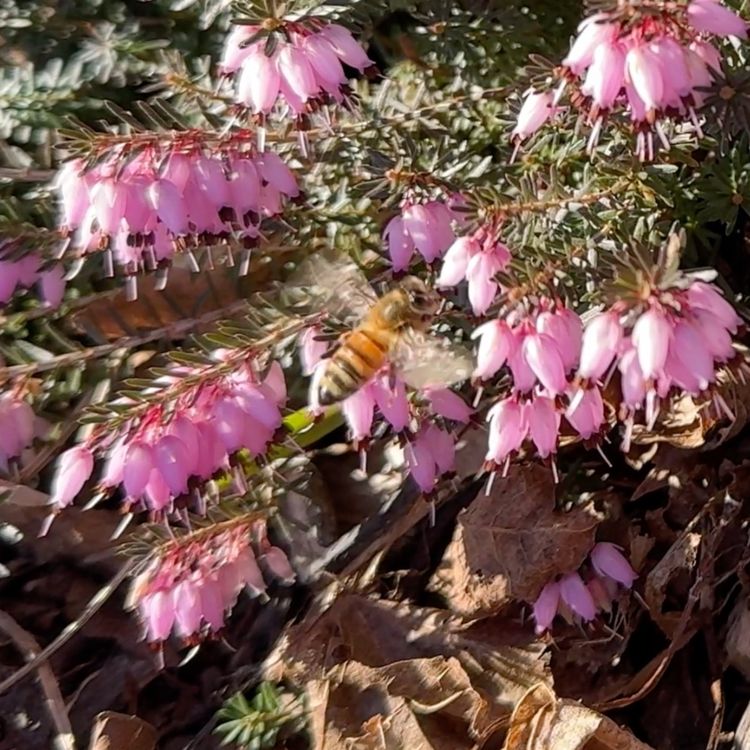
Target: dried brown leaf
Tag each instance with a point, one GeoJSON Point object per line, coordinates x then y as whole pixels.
{"type": "Point", "coordinates": [510, 543]}
{"type": "Point", "coordinates": [542, 721]}
{"type": "Point", "coordinates": [113, 731]}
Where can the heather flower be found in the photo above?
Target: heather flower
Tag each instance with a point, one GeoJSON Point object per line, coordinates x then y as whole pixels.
{"type": "Point", "coordinates": [651, 337]}
{"type": "Point", "coordinates": [169, 196]}
{"type": "Point", "coordinates": [425, 227]}
{"type": "Point", "coordinates": [575, 594]}
{"type": "Point", "coordinates": [601, 339]}
{"type": "Point", "coordinates": [192, 582]}
{"type": "Point", "coordinates": [430, 454]}
{"type": "Point", "coordinates": [477, 259]}
{"type": "Point", "coordinates": [302, 70]}
{"type": "Point", "coordinates": [507, 430]}
{"type": "Point", "coordinates": [311, 349]}
{"type": "Point", "coordinates": [649, 69]}
{"type": "Point", "coordinates": [448, 404]}
{"type": "Point", "coordinates": [535, 111]}
{"type": "Point", "coordinates": [74, 467]}
{"type": "Point", "coordinates": [545, 606]}
{"type": "Point", "coordinates": [496, 342]}
{"type": "Point", "coordinates": [188, 438]}
{"type": "Point", "coordinates": [359, 411]}
{"type": "Point", "coordinates": [609, 562]}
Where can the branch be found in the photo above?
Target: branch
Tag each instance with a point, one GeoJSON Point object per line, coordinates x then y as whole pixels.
{"type": "Point", "coordinates": [95, 604]}
{"type": "Point", "coordinates": [28, 646]}
{"type": "Point", "coordinates": [172, 330]}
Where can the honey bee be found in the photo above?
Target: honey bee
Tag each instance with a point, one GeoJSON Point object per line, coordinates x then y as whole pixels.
{"type": "Point", "coordinates": [390, 330]}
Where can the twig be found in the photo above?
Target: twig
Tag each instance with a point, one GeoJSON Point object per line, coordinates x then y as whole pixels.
{"type": "Point", "coordinates": [172, 330]}
{"type": "Point", "coordinates": [94, 605]}
{"type": "Point", "coordinates": [27, 645]}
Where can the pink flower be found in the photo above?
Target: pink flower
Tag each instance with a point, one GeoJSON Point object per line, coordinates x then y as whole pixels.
{"type": "Point", "coordinates": [192, 581]}
{"type": "Point", "coordinates": [544, 424]}
{"type": "Point", "coordinates": [507, 431]}
{"type": "Point", "coordinates": [575, 594]}
{"type": "Point", "coordinates": [707, 297]}
{"type": "Point", "coordinates": [235, 53]}
{"type": "Point", "coordinates": [400, 244]}
{"type": "Point", "coordinates": [456, 261]}
{"type": "Point", "coordinates": [543, 357]}
{"type": "Point", "coordinates": [448, 404]}
{"type": "Point", "coordinates": [609, 562]}
{"type": "Point", "coordinates": [651, 337]}
{"type": "Point", "coordinates": [496, 342]}
{"type": "Point", "coordinates": [601, 339]}
{"type": "Point", "coordinates": [392, 401]}
{"type": "Point", "coordinates": [359, 410]}
{"type": "Point", "coordinates": [430, 454]}
{"type": "Point", "coordinates": [346, 47]}
{"type": "Point", "coordinates": [311, 350]}
{"type": "Point", "coordinates": [644, 74]}
{"type": "Point", "coordinates": [564, 327]}
{"type": "Point", "coordinates": [52, 286]}
{"type": "Point", "coordinates": [74, 467]}
{"type": "Point", "coordinates": [535, 111]}
{"type": "Point", "coordinates": [711, 17]}
{"type": "Point", "coordinates": [593, 32]}
{"type": "Point", "coordinates": [606, 75]}
{"type": "Point", "coordinates": [429, 228]}
{"type": "Point", "coordinates": [545, 606]}
{"type": "Point", "coordinates": [586, 413]}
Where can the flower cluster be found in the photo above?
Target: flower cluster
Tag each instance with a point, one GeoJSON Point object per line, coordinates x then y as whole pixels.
{"type": "Point", "coordinates": [541, 349]}
{"type": "Point", "coordinates": [179, 442]}
{"type": "Point", "coordinates": [574, 598]}
{"type": "Point", "coordinates": [425, 227]}
{"type": "Point", "coordinates": [675, 339]}
{"type": "Point", "coordinates": [16, 427]}
{"type": "Point", "coordinates": [193, 581]}
{"type": "Point", "coordinates": [24, 272]}
{"type": "Point", "coordinates": [301, 65]}
{"type": "Point", "coordinates": [170, 197]}
{"type": "Point", "coordinates": [651, 67]}
{"type": "Point", "coordinates": [476, 258]}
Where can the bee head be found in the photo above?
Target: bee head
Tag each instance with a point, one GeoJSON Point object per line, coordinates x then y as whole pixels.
{"type": "Point", "coordinates": [422, 300]}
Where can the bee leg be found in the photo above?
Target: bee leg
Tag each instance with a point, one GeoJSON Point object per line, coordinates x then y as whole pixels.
{"type": "Point", "coordinates": [392, 377]}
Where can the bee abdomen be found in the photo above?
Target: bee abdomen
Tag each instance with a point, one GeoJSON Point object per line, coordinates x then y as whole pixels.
{"type": "Point", "coordinates": [358, 358]}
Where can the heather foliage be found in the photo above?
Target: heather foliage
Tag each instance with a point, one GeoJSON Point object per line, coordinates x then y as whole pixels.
{"type": "Point", "coordinates": [199, 200]}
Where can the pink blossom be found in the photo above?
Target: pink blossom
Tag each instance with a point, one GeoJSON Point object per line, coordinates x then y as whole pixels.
{"type": "Point", "coordinates": [448, 404]}
{"type": "Point", "coordinates": [606, 75]}
{"type": "Point", "coordinates": [644, 74]}
{"type": "Point", "coordinates": [564, 327]}
{"type": "Point", "coordinates": [651, 336]}
{"type": "Point", "coordinates": [392, 401]}
{"type": "Point", "coordinates": [545, 606]}
{"type": "Point", "coordinates": [235, 53]}
{"type": "Point", "coordinates": [359, 410]}
{"type": "Point", "coordinates": [544, 424]}
{"type": "Point", "coordinates": [575, 594]}
{"type": "Point", "coordinates": [311, 350]}
{"type": "Point", "coordinates": [707, 297]}
{"type": "Point", "coordinates": [609, 562]}
{"type": "Point", "coordinates": [712, 17]}
{"type": "Point", "coordinates": [496, 342]}
{"type": "Point", "coordinates": [430, 454]}
{"type": "Point", "coordinates": [346, 47]}
{"type": "Point", "coordinates": [601, 339]}
{"type": "Point", "coordinates": [535, 111]}
{"type": "Point", "coordinates": [429, 228]}
{"type": "Point", "coordinates": [192, 581]}
{"type": "Point", "coordinates": [52, 286]}
{"type": "Point", "coordinates": [586, 413]}
{"type": "Point", "coordinates": [74, 467]}
{"type": "Point", "coordinates": [400, 243]}
{"type": "Point", "coordinates": [507, 431]}
{"type": "Point", "coordinates": [593, 32]}
{"type": "Point", "coordinates": [456, 261]}
{"type": "Point", "coordinates": [543, 357]}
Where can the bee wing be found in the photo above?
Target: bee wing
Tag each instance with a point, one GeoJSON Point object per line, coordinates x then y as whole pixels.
{"type": "Point", "coordinates": [423, 361]}
{"type": "Point", "coordinates": [337, 286]}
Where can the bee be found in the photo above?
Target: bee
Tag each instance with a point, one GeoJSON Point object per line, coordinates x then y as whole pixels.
{"type": "Point", "coordinates": [389, 330]}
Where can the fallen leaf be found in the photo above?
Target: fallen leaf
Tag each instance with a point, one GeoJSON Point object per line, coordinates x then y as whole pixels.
{"type": "Point", "coordinates": [113, 731]}
{"type": "Point", "coordinates": [542, 721]}
{"type": "Point", "coordinates": [509, 544]}
{"type": "Point", "coordinates": [370, 654]}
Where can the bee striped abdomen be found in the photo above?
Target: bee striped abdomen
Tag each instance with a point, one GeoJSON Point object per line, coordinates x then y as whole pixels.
{"type": "Point", "coordinates": [361, 354]}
